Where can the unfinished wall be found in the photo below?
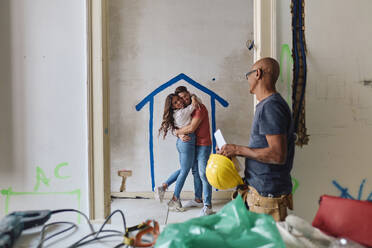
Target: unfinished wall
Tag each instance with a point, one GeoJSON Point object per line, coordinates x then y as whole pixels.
{"type": "Point", "coordinates": [337, 160]}
{"type": "Point", "coordinates": [43, 128]}
{"type": "Point", "coordinates": [151, 43]}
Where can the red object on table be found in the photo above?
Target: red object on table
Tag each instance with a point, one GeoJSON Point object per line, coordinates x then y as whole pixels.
{"type": "Point", "coordinates": [340, 217]}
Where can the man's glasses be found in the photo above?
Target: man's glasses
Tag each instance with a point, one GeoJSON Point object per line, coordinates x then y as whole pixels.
{"type": "Point", "coordinates": [249, 73]}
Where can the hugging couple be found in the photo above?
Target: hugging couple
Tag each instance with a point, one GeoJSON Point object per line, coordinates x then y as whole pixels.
{"type": "Point", "coordinates": [187, 118]}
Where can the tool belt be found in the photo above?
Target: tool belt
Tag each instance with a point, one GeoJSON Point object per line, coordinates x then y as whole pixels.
{"type": "Point", "coordinates": [274, 206]}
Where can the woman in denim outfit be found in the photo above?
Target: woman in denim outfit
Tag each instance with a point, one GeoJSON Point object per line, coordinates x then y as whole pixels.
{"type": "Point", "coordinates": [176, 116]}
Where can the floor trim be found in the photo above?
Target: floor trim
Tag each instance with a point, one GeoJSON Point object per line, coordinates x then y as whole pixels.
{"type": "Point", "coordinates": [185, 195]}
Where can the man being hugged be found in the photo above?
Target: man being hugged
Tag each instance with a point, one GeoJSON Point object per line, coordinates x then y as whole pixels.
{"type": "Point", "coordinates": [200, 125]}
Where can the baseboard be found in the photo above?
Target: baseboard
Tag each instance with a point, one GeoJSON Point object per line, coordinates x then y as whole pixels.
{"type": "Point", "coordinates": [100, 221]}
{"type": "Point", "coordinates": [185, 195]}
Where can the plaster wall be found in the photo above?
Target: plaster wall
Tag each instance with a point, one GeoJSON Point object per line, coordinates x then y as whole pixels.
{"type": "Point", "coordinates": [43, 104]}
{"type": "Point", "coordinates": [337, 160]}
{"type": "Point", "coordinates": [151, 43]}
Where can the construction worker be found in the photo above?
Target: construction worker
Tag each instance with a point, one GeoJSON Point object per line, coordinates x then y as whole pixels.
{"type": "Point", "coordinates": [269, 155]}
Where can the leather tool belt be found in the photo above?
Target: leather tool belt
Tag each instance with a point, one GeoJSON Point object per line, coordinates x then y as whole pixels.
{"type": "Point", "coordinates": [274, 206]}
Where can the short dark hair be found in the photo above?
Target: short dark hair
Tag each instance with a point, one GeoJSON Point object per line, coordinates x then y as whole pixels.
{"type": "Point", "coordinates": [180, 89]}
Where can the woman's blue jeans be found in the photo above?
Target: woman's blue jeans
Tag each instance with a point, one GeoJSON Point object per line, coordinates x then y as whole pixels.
{"type": "Point", "coordinates": [186, 152]}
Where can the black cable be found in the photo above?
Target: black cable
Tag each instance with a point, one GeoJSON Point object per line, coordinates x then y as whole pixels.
{"type": "Point", "coordinates": [76, 211]}
{"type": "Point", "coordinates": [83, 241]}
{"type": "Point", "coordinates": [73, 225]}
{"type": "Point", "coordinates": [297, 29]}
{"type": "Point", "coordinates": [96, 234]}
{"type": "Point", "coordinates": [296, 63]}
{"type": "Point", "coordinates": [42, 234]}
{"type": "Point", "coordinates": [302, 46]}
{"type": "Point", "coordinates": [109, 217]}
{"type": "Point", "coordinates": [79, 243]}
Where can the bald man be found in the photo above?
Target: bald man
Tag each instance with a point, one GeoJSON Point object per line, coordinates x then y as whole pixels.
{"type": "Point", "coordinates": [269, 155]}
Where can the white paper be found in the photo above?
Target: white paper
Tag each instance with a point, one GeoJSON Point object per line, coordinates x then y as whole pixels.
{"type": "Point", "coordinates": [220, 143]}
{"type": "Point", "coordinates": [219, 139]}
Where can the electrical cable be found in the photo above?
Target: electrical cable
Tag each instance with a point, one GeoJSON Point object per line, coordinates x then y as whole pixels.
{"type": "Point", "coordinates": [91, 234]}
{"type": "Point", "coordinates": [42, 234]}
{"type": "Point", "coordinates": [109, 217]}
{"type": "Point", "coordinates": [96, 234]}
{"type": "Point", "coordinates": [72, 225]}
{"type": "Point", "coordinates": [296, 27]}
{"type": "Point", "coordinates": [296, 60]}
{"type": "Point", "coordinates": [89, 238]}
{"type": "Point", "coordinates": [79, 243]}
{"type": "Point", "coordinates": [76, 211]}
{"type": "Point", "coordinates": [298, 47]}
{"type": "Point", "coordinates": [304, 63]}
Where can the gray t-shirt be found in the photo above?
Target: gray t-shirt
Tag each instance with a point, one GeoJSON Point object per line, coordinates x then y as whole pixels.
{"type": "Point", "coordinates": [273, 116]}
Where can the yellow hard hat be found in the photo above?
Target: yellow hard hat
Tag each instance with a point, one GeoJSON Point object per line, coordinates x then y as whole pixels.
{"type": "Point", "coordinates": [221, 172]}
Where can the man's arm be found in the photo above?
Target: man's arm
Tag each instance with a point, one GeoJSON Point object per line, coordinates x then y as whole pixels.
{"type": "Point", "coordinates": [275, 153]}
{"type": "Point", "coordinates": [194, 124]}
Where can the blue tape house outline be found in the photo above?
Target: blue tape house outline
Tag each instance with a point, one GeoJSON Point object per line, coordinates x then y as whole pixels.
{"type": "Point", "coordinates": [150, 99]}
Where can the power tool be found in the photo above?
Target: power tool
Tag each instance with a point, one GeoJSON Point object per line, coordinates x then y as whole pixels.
{"type": "Point", "coordinates": [12, 225]}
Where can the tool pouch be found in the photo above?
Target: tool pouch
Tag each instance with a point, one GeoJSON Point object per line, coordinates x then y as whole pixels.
{"type": "Point", "coordinates": [274, 206]}
{"type": "Point", "coordinates": [241, 190]}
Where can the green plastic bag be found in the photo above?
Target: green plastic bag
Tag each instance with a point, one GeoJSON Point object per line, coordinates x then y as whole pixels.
{"type": "Point", "coordinates": [232, 226]}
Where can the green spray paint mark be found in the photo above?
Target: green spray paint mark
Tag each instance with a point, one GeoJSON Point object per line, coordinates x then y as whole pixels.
{"type": "Point", "coordinates": [40, 176]}
{"type": "Point", "coordinates": [7, 196]}
{"type": "Point", "coordinates": [9, 193]}
{"type": "Point", "coordinates": [56, 171]}
{"type": "Point", "coordinates": [295, 185]}
{"type": "Point", "coordinates": [286, 53]}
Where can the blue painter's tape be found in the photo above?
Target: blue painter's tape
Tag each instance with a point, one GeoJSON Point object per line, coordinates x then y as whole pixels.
{"type": "Point", "coordinates": [361, 189]}
{"type": "Point", "coordinates": [174, 80]}
{"type": "Point", "coordinates": [344, 191]}
{"type": "Point", "coordinates": [370, 197]}
{"type": "Point", "coordinates": [213, 109]}
{"type": "Point", "coordinates": [151, 143]}
{"type": "Point", "coordinates": [150, 99]}
{"type": "Point", "coordinates": [251, 46]}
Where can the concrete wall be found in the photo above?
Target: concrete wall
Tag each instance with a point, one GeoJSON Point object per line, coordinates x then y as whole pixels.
{"type": "Point", "coordinates": [338, 101]}
{"type": "Point", "coordinates": [151, 43]}
{"type": "Point", "coordinates": [43, 128]}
